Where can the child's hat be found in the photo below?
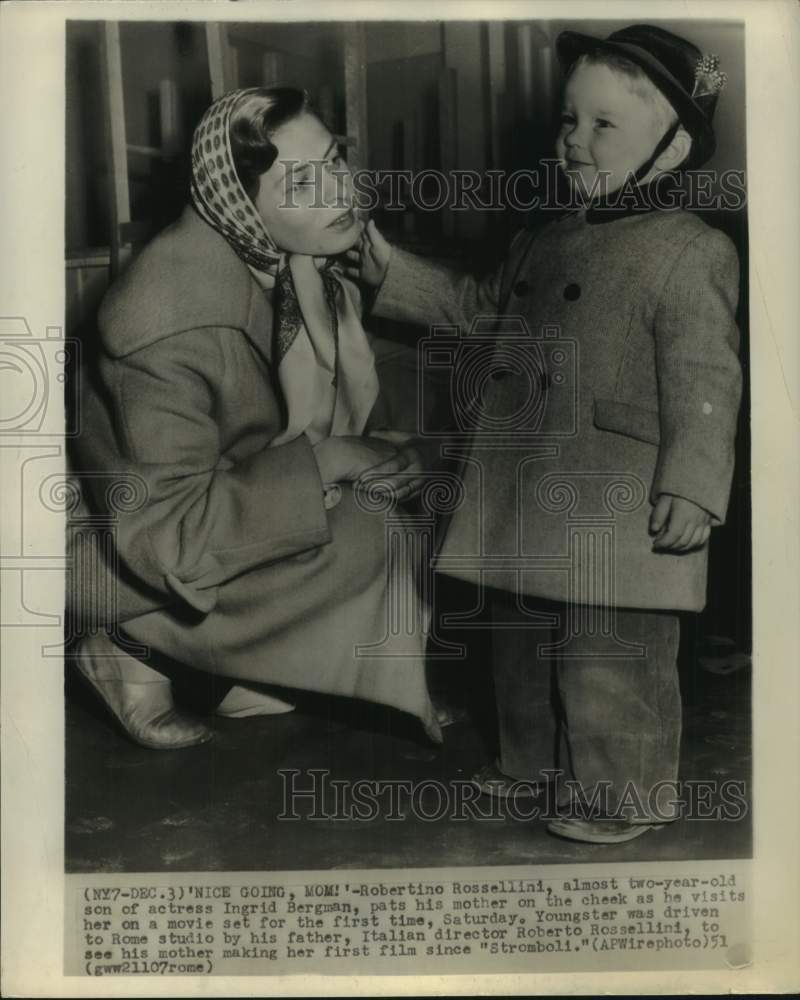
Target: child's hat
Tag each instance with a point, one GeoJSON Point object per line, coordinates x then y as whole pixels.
{"type": "Point", "coordinates": [689, 80]}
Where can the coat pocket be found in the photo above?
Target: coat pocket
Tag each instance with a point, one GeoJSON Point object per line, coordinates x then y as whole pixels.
{"type": "Point", "coordinates": [627, 418]}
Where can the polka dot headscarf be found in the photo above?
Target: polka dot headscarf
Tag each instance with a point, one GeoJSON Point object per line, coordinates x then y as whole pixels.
{"type": "Point", "coordinates": [217, 192]}
{"type": "Point", "coordinates": [325, 363]}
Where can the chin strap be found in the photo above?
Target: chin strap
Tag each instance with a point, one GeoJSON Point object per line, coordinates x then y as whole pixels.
{"type": "Point", "coordinates": [662, 144]}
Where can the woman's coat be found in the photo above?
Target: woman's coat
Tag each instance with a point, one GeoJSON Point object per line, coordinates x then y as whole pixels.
{"type": "Point", "coordinates": [229, 560]}
{"type": "Point", "coordinates": [621, 383]}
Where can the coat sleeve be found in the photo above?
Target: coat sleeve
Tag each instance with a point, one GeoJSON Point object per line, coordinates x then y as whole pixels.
{"type": "Point", "coordinates": [206, 519]}
{"type": "Point", "coordinates": [699, 375]}
{"type": "Point", "coordinates": [419, 291]}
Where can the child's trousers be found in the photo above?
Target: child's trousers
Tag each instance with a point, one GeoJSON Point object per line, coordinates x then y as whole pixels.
{"type": "Point", "coordinates": [605, 719]}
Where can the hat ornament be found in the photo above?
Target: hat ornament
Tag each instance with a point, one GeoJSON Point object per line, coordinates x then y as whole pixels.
{"type": "Point", "coordinates": [708, 77]}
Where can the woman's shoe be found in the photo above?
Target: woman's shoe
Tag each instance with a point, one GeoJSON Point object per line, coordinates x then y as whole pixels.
{"type": "Point", "coordinates": [600, 831]}
{"type": "Point", "coordinates": [243, 701]}
{"type": "Point", "coordinates": [138, 697]}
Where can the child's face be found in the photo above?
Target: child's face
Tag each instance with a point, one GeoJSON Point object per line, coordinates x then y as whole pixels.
{"type": "Point", "coordinates": [605, 126]}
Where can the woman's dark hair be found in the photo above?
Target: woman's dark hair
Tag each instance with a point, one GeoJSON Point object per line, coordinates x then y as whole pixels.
{"type": "Point", "coordinates": [255, 119]}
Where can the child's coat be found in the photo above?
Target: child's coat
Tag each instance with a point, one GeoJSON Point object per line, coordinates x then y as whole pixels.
{"type": "Point", "coordinates": [648, 298]}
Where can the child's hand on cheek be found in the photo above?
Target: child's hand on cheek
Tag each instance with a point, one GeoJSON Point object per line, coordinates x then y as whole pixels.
{"type": "Point", "coordinates": [679, 525]}
{"type": "Point", "coordinates": [368, 260]}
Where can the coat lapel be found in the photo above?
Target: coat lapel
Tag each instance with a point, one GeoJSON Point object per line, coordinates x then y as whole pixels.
{"type": "Point", "coordinates": [187, 278]}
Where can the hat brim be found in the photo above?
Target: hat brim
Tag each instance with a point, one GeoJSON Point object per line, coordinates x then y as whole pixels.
{"type": "Point", "coordinates": [571, 45]}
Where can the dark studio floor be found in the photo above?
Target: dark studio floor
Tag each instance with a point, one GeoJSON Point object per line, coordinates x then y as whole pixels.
{"type": "Point", "coordinates": [215, 807]}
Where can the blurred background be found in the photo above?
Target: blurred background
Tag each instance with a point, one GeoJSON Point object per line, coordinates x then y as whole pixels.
{"type": "Point", "coordinates": [402, 95]}
{"type": "Point", "coordinates": [407, 95]}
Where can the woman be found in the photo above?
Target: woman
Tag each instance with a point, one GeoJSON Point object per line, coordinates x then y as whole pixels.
{"type": "Point", "coordinates": [236, 385]}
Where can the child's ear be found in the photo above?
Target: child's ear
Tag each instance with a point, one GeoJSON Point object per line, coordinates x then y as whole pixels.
{"type": "Point", "coordinates": [677, 151]}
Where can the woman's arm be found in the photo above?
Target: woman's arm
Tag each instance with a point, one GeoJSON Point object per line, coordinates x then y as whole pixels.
{"type": "Point", "coordinates": [206, 518]}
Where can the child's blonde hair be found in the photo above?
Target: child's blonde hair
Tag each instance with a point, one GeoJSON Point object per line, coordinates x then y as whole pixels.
{"type": "Point", "coordinates": [637, 80]}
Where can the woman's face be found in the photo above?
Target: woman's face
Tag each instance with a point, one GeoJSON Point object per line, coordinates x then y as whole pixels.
{"type": "Point", "coordinates": [306, 196]}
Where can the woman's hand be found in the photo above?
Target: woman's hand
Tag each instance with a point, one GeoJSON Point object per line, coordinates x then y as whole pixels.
{"type": "Point", "coordinates": [345, 459]}
{"type": "Point", "coordinates": [679, 525]}
{"type": "Point", "coordinates": [368, 260]}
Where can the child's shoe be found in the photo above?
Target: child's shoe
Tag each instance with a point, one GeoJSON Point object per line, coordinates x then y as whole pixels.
{"type": "Point", "coordinates": [600, 831]}
{"type": "Point", "coordinates": [492, 781]}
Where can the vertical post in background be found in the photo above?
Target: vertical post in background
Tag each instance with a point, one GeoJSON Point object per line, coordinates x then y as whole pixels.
{"type": "Point", "coordinates": [273, 69]}
{"type": "Point", "coordinates": [116, 143]}
{"type": "Point", "coordinates": [170, 117]}
{"type": "Point", "coordinates": [546, 73]}
{"type": "Point", "coordinates": [525, 66]}
{"type": "Point", "coordinates": [355, 94]}
{"type": "Point", "coordinates": [464, 50]}
{"type": "Point", "coordinates": [535, 97]}
{"type": "Point", "coordinates": [411, 153]}
{"type": "Point", "coordinates": [497, 89]}
{"type": "Point", "coordinates": [221, 59]}
{"type": "Point", "coordinates": [448, 135]}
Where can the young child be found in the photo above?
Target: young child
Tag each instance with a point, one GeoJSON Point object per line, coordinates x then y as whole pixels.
{"type": "Point", "coordinates": [647, 295]}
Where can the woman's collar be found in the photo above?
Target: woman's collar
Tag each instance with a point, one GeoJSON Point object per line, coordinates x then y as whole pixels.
{"type": "Point", "coordinates": [266, 279]}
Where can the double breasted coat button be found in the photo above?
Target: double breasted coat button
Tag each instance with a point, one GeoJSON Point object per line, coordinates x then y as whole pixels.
{"type": "Point", "coordinates": [521, 288]}
{"type": "Point", "coordinates": [572, 292]}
